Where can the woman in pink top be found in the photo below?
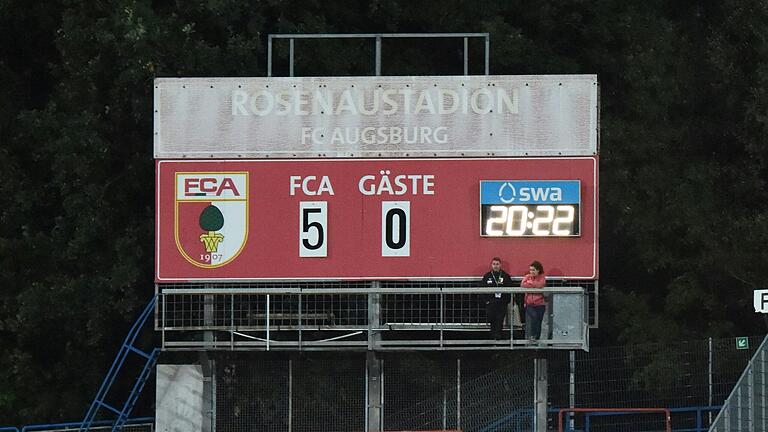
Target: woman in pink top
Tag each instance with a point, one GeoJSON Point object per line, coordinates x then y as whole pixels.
{"type": "Point", "coordinates": [535, 304]}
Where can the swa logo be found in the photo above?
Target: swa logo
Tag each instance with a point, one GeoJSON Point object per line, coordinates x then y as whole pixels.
{"type": "Point", "coordinates": [525, 194]}
{"type": "Point", "coordinates": [507, 193]}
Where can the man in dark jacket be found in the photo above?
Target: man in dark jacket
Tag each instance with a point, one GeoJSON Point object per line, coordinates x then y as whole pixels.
{"type": "Point", "coordinates": [496, 303]}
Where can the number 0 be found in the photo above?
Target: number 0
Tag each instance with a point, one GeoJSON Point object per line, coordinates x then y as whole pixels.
{"type": "Point", "coordinates": [396, 228]}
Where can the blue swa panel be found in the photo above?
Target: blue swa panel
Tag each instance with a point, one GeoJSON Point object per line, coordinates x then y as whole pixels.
{"type": "Point", "coordinates": [507, 192]}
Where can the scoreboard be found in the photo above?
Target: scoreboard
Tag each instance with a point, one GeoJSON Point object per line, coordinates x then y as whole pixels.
{"type": "Point", "coordinates": [375, 178]}
{"type": "Point", "coordinates": [373, 219]}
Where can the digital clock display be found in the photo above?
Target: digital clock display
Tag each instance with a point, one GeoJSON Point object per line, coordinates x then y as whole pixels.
{"type": "Point", "coordinates": [515, 208]}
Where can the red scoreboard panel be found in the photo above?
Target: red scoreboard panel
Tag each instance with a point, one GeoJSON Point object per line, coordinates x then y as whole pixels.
{"type": "Point", "coordinates": [353, 219]}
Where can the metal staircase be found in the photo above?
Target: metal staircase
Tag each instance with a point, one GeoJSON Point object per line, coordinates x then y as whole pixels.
{"type": "Point", "coordinates": [128, 348]}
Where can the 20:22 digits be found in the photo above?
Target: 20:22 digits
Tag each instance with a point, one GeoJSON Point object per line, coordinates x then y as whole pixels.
{"type": "Point", "coordinates": [530, 220]}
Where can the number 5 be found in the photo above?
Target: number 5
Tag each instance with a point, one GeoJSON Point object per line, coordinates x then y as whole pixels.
{"type": "Point", "coordinates": [313, 223]}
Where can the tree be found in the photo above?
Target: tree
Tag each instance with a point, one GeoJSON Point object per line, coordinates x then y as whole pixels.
{"type": "Point", "coordinates": [683, 154]}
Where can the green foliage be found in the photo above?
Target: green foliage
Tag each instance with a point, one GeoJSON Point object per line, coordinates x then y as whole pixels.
{"type": "Point", "coordinates": [684, 220]}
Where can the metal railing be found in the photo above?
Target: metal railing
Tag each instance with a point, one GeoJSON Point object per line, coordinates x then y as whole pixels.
{"type": "Point", "coordinates": [139, 424]}
{"type": "Point", "coordinates": [698, 416]}
{"type": "Point", "coordinates": [381, 316]}
{"type": "Point", "coordinates": [562, 426]}
{"type": "Point", "coordinates": [683, 419]}
{"type": "Point", "coordinates": [746, 409]}
{"type": "Point", "coordinates": [377, 38]}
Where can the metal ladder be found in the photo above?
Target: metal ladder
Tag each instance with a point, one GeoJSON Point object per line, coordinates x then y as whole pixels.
{"type": "Point", "coordinates": [126, 349]}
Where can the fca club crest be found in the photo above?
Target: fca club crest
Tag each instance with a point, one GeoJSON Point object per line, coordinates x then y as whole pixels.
{"type": "Point", "coordinates": [211, 216]}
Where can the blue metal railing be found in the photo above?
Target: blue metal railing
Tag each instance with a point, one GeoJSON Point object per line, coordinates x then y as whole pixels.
{"type": "Point", "coordinates": [699, 416]}
{"type": "Point", "coordinates": [136, 391]}
{"type": "Point", "coordinates": [522, 420]}
{"type": "Point", "coordinates": [699, 410]}
{"type": "Point", "coordinates": [76, 425]}
{"type": "Point", "coordinates": [44, 427]}
{"type": "Point", "coordinates": [518, 420]}
{"type": "Point", "coordinates": [127, 348]}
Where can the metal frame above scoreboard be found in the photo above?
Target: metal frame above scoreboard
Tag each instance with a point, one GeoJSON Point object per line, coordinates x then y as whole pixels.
{"type": "Point", "coordinates": [374, 219]}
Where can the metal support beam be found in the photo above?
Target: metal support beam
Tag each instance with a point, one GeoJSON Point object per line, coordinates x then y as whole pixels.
{"type": "Point", "coordinates": [374, 373]}
{"type": "Point", "coordinates": [208, 366]}
{"type": "Point", "coordinates": [374, 316]}
{"type": "Point", "coordinates": [761, 391]}
{"type": "Point", "coordinates": [164, 319]}
{"type": "Point", "coordinates": [377, 37]}
{"type": "Point", "coordinates": [540, 395]}
{"type": "Point", "coordinates": [290, 57]}
{"type": "Point", "coordinates": [752, 395]}
{"type": "Point", "coordinates": [269, 56]}
{"type": "Point", "coordinates": [571, 386]}
{"type": "Point", "coordinates": [208, 316]}
{"type": "Point", "coordinates": [709, 378]}
{"type": "Point", "coordinates": [458, 393]}
{"type": "Point", "coordinates": [466, 56]}
{"type": "Point", "coordinates": [487, 55]}
{"type": "Point", "coordinates": [445, 409]}
{"type": "Point", "coordinates": [290, 395]}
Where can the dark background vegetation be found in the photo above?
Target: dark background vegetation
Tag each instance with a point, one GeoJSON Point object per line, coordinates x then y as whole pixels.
{"type": "Point", "coordinates": [684, 114]}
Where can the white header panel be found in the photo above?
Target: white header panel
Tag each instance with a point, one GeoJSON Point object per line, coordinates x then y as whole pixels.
{"type": "Point", "coordinates": [537, 115]}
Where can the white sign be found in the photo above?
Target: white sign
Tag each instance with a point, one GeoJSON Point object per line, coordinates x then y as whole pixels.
{"type": "Point", "coordinates": [536, 115]}
{"type": "Point", "coordinates": [761, 301]}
